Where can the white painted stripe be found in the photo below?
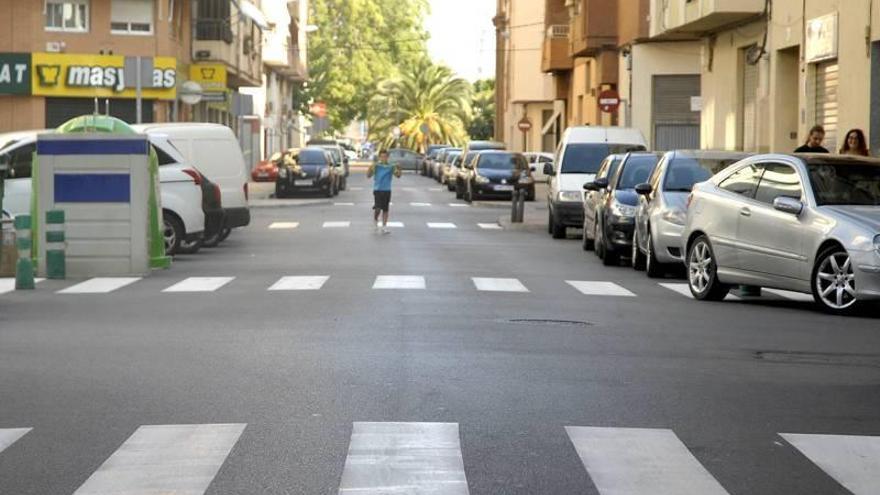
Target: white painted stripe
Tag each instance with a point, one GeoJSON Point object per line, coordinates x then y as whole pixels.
{"type": "Point", "coordinates": [599, 288]}
{"type": "Point", "coordinates": [343, 204]}
{"type": "Point", "coordinates": [355, 188]}
{"type": "Point", "coordinates": [395, 225]}
{"type": "Point", "coordinates": [458, 205]}
{"type": "Point", "coordinates": [792, 296]}
{"type": "Point", "coordinates": [852, 460]}
{"type": "Point", "coordinates": [283, 225]}
{"type": "Point", "coordinates": [409, 188]}
{"type": "Point", "coordinates": [8, 284]}
{"type": "Point", "coordinates": [435, 189]}
{"type": "Point", "coordinates": [499, 284]}
{"type": "Point", "coordinates": [9, 436]}
{"type": "Point", "coordinates": [489, 226]}
{"type": "Point", "coordinates": [300, 283]}
{"type": "Point", "coordinates": [685, 291]}
{"type": "Point", "coordinates": [99, 285]}
{"type": "Point", "coordinates": [199, 284]}
{"type": "Point", "coordinates": [641, 461]}
{"type": "Point", "coordinates": [336, 225]}
{"type": "Point", "coordinates": [178, 459]}
{"type": "Point", "coordinates": [420, 204]}
{"type": "Point", "coordinates": [399, 282]}
{"type": "Point", "coordinates": [404, 458]}
{"type": "Point", "coordinates": [441, 225]}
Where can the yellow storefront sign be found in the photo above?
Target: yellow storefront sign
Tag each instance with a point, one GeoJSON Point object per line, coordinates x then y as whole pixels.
{"type": "Point", "coordinates": [102, 76]}
{"type": "Point", "coordinates": [211, 77]}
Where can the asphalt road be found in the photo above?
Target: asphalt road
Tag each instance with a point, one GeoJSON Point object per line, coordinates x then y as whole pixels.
{"type": "Point", "coordinates": [676, 396]}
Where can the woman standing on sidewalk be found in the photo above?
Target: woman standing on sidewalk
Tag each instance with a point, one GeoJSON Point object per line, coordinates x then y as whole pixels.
{"type": "Point", "coordinates": [855, 144]}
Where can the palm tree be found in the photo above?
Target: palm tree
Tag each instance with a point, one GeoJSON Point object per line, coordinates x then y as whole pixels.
{"type": "Point", "coordinates": [428, 103]}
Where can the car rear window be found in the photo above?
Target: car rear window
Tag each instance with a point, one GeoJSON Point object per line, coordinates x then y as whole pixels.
{"type": "Point", "coordinates": [311, 157]}
{"type": "Point", "coordinates": [585, 158]}
{"type": "Point", "coordinates": [501, 161]}
{"type": "Point", "coordinates": [685, 171]}
{"type": "Point", "coordinates": [845, 183]}
{"type": "Point", "coordinates": [636, 170]}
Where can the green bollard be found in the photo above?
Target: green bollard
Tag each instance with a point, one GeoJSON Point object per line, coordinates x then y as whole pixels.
{"type": "Point", "coordinates": [24, 267]}
{"type": "Point", "coordinates": [55, 241]}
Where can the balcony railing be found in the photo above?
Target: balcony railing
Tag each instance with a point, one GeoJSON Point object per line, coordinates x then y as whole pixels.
{"type": "Point", "coordinates": [558, 31]}
{"type": "Point", "coordinates": [214, 30]}
{"type": "Point", "coordinates": [555, 56]}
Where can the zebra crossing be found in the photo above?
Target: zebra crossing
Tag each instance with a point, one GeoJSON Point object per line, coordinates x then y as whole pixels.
{"type": "Point", "coordinates": [345, 224]}
{"type": "Point", "coordinates": [313, 282]}
{"type": "Point", "coordinates": [427, 457]}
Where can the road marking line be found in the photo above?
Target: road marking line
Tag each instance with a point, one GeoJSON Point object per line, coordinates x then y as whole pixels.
{"type": "Point", "coordinates": [99, 285]}
{"type": "Point", "coordinates": [489, 226]}
{"type": "Point", "coordinates": [300, 283]}
{"type": "Point", "coordinates": [199, 284]}
{"type": "Point", "coordinates": [435, 189]}
{"type": "Point", "coordinates": [9, 436]}
{"type": "Point", "coordinates": [181, 459]}
{"type": "Point", "coordinates": [409, 188]}
{"type": "Point", "coordinates": [343, 204]}
{"type": "Point", "coordinates": [792, 296]}
{"type": "Point", "coordinates": [8, 284]}
{"type": "Point", "coordinates": [458, 205]}
{"type": "Point", "coordinates": [441, 225]}
{"type": "Point", "coordinates": [641, 461]}
{"type": "Point", "coordinates": [283, 225]}
{"type": "Point", "coordinates": [399, 282]}
{"type": "Point", "coordinates": [394, 225]}
{"type": "Point", "coordinates": [356, 188]}
{"type": "Point", "coordinates": [499, 284]}
{"type": "Point", "coordinates": [852, 460]}
{"type": "Point", "coordinates": [416, 458]}
{"type": "Point", "coordinates": [336, 225]}
{"type": "Point", "coordinates": [599, 288]}
{"type": "Point", "coordinates": [684, 290]}
{"type": "Point", "coordinates": [420, 204]}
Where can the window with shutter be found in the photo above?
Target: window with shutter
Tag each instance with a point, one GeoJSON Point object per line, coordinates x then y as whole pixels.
{"type": "Point", "coordinates": [132, 17]}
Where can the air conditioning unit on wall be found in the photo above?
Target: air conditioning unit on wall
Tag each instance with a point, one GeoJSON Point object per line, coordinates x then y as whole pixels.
{"type": "Point", "coordinates": [55, 46]}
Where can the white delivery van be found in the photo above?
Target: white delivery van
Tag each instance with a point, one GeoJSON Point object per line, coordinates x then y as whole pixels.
{"type": "Point", "coordinates": [214, 151]}
{"type": "Point", "coordinates": [578, 156]}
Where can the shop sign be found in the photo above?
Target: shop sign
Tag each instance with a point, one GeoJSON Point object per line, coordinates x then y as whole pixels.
{"type": "Point", "coordinates": [15, 73]}
{"type": "Point", "coordinates": [211, 77]}
{"type": "Point", "coordinates": [821, 38]}
{"type": "Point", "coordinates": [103, 76]}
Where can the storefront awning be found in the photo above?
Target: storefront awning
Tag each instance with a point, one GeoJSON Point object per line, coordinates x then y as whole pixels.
{"type": "Point", "coordinates": [252, 12]}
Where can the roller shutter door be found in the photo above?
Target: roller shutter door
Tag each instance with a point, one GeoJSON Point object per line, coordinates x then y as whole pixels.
{"type": "Point", "coordinates": [675, 125]}
{"type": "Point", "coordinates": [60, 110]}
{"type": "Point", "coordinates": [826, 101]}
{"type": "Point", "coordinates": [749, 110]}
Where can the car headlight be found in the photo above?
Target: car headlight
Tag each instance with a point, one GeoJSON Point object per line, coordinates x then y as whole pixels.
{"type": "Point", "coordinates": [619, 209]}
{"type": "Point", "coordinates": [675, 216]}
{"type": "Point", "coordinates": [479, 179]}
{"type": "Point", "coordinates": [877, 244]}
{"type": "Point", "coordinates": [568, 196]}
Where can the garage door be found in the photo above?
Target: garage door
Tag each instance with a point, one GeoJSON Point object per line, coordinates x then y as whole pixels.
{"type": "Point", "coordinates": [826, 101]}
{"type": "Point", "coordinates": [749, 110]}
{"type": "Point", "coordinates": [675, 125]}
{"type": "Point", "coordinates": [60, 110]}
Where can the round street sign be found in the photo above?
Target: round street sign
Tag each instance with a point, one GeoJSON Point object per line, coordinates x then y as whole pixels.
{"type": "Point", "coordinates": [525, 125]}
{"type": "Point", "coordinates": [609, 100]}
{"type": "Point", "coordinates": [190, 92]}
{"type": "Point", "coordinates": [395, 132]}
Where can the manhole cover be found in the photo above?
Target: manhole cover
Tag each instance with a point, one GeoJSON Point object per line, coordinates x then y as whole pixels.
{"type": "Point", "coordinates": [538, 321]}
{"type": "Point", "coordinates": [819, 358]}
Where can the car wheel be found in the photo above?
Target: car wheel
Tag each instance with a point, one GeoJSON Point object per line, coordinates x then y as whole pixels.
{"type": "Point", "coordinates": [172, 231]}
{"type": "Point", "coordinates": [549, 221]}
{"type": "Point", "coordinates": [530, 195]}
{"type": "Point", "coordinates": [598, 245]}
{"type": "Point", "coordinates": [344, 185]}
{"type": "Point", "coordinates": [224, 233]}
{"type": "Point", "coordinates": [586, 242]}
{"type": "Point", "coordinates": [329, 191]}
{"type": "Point", "coordinates": [558, 230]}
{"type": "Point", "coordinates": [459, 194]}
{"type": "Point", "coordinates": [280, 191]}
{"type": "Point", "coordinates": [190, 247]}
{"type": "Point", "coordinates": [653, 268]}
{"type": "Point", "coordinates": [834, 281]}
{"type": "Point", "coordinates": [212, 240]}
{"type": "Point", "coordinates": [610, 257]}
{"type": "Point", "coordinates": [703, 272]}
{"type": "Point", "coordinates": [637, 258]}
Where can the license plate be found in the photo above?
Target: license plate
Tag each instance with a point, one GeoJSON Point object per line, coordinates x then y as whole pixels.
{"type": "Point", "coordinates": [262, 174]}
{"type": "Point", "coordinates": [504, 188]}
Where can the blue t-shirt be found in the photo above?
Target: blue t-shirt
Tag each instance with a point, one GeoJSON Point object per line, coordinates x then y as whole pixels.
{"type": "Point", "coordinates": [382, 175]}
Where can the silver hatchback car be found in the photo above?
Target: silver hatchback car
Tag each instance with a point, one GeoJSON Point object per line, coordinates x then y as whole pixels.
{"type": "Point", "coordinates": [805, 223]}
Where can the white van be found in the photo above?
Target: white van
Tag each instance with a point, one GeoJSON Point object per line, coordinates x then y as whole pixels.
{"type": "Point", "coordinates": [577, 159]}
{"type": "Point", "coordinates": [214, 150]}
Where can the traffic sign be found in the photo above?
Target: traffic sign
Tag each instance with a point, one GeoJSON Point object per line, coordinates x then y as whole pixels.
{"type": "Point", "coordinates": [190, 92]}
{"type": "Point", "coordinates": [318, 109]}
{"type": "Point", "coordinates": [609, 100]}
{"type": "Point", "coordinates": [525, 125]}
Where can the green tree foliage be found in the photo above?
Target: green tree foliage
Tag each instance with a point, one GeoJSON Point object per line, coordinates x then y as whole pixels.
{"type": "Point", "coordinates": [358, 44]}
{"type": "Point", "coordinates": [427, 102]}
{"type": "Point", "coordinates": [482, 123]}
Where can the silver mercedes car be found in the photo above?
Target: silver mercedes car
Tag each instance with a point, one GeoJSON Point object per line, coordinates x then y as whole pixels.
{"type": "Point", "coordinates": [660, 214]}
{"type": "Point", "coordinates": [805, 223]}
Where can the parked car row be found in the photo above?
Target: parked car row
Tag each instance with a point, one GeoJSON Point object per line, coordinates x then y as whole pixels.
{"type": "Point", "coordinates": [313, 169]}
{"type": "Point", "coordinates": [796, 222]}
{"type": "Point", "coordinates": [202, 181]}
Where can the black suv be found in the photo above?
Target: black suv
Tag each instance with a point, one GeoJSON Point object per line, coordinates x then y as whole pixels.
{"type": "Point", "coordinates": [313, 169]}
{"type": "Point", "coordinates": [498, 174]}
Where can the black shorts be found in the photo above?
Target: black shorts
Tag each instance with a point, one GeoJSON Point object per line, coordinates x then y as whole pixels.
{"type": "Point", "coordinates": [381, 200]}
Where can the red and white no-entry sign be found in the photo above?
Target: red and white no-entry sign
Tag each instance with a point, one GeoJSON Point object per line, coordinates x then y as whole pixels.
{"type": "Point", "coordinates": [525, 125]}
{"type": "Point", "coordinates": [609, 100]}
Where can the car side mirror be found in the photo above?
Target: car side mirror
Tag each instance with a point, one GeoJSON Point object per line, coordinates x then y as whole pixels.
{"type": "Point", "coordinates": [590, 186]}
{"type": "Point", "coordinates": [787, 204]}
{"type": "Point", "coordinates": [644, 189]}
{"type": "Point", "coordinates": [533, 168]}
{"type": "Point", "coordinates": [548, 169]}
{"type": "Point", "coordinates": [601, 183]}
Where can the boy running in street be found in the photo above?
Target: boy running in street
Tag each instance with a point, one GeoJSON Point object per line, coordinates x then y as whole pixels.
{"type": "Point", "coordinates": [382, 173]}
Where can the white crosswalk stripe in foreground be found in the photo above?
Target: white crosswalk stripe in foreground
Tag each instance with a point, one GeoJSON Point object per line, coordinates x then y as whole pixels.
{"type": "Point", "coordinates": [685, 291]}
{"type": "Point", "coordinates": [399, 282]}
{"type": "Point", "coordinates": [441, 225]}
{"type": "Point", "coordinates": [99, 285]}
{"type": "Point", "coordinates": [499, 284]}
{"type": "Point", "coordinates": [283, 225]}
{"type": "Point", "coordinates": [420, 204]}
{"type": "Point", "coordinates": [343, 204]}
{"type": "Point", "coordinates": [489, 226]}
{"type": "Point", "coordinates": [458, 205]}
{"type": "Point", "coordinates": [641, 461]}
{"type": "Point", "coordinates": [852, 460]}
{"type": "Point", "coordinates": [8, 284]}
{"type": "Point", "coordinates": [336, 225]}
{"type": "Point", "coordinates": [414, 458]}
{"type": "Point", "coordinates": [599, 288]}
{"type": "Point", "coordinates": [395, 225]}
{"type": "Point", "coordinates": [300, 283]}
{"type": "Point", "coordinates": [356, 188]}
{"type": "Point", "coordinates": [9, 436]}
{"type": "Point", "coordinates": [199, 284]}
{"type": "Point", "coordinates": [181, 459]}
